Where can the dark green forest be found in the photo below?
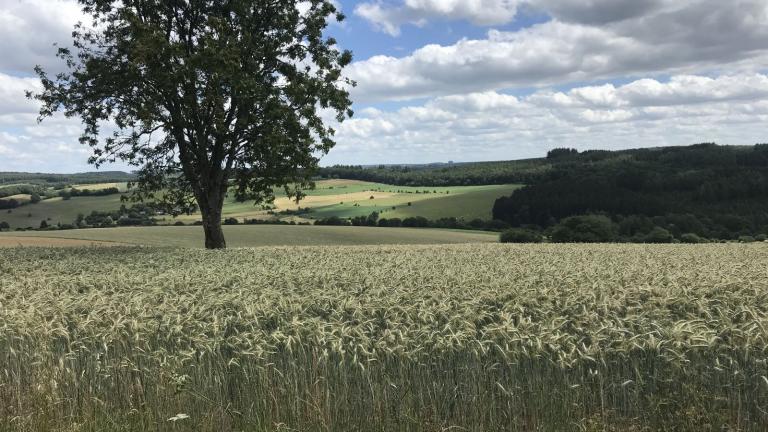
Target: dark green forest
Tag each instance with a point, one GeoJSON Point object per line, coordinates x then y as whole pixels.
{"type": "Point", "coordinates": [458, 174]}
{"type": "Point", "coordinates": [706, 190]}
{"type": "Point", "coordinates": [53, 180]}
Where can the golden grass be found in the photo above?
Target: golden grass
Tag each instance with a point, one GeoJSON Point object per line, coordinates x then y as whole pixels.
{"type": "Point", "coordinates": [8, 241]}
{"type": "Point", "coordinates": [100, 186]}
{"type": "Point", "coordinates": [23, 198]}
{"type": "Point", "coordinates": [327, 200]}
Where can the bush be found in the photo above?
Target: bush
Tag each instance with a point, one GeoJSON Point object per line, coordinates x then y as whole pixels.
{"type": "Point", "coordinates": [394, 222]}
{"type": "Point", "coordinates": [416, 222]}
{"type": "Point", "coordinates": [585, 229]}
{"type": "Point", "coordinates": [496, 225]}
{"type": "Point", "coordinates": [520, 235]}
{"type": "Point", "coordinates": [635, 225]}
{"type": "Point", "coordinates": [4, 226]}
{"type": "Point", "coordinates": [761, 237]}
{"type": "Point", "coordinates": [332, 221]}
{"type": "Point", "coordinates": [691, 238]}
{"type": "Point", "coordinates": [746, 239]}
{"type": "Point", "coordinates": [370, 220]}
{"type": "Point", "coordinates": [231, 221]}
{"type": "Point", "coordinates": [9, 204]}
{"type": "Point", "coordinates": [178, 223]}
{"type": "Point", "coordinates": [658, 235]}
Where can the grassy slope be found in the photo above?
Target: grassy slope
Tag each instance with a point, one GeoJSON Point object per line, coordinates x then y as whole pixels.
{"type": "Point", "coordinates": [266, 235]}
{"type": "Point", "coordinates": [98, 186]}
{"type": "Point", "coordinates": [58, 210]}
{"type": "Point", "coordinates": [466, 202]}
{"type": "Point", "coordinates": [22, 198]}
{"type": "Point", "coordinates": [326, 200]}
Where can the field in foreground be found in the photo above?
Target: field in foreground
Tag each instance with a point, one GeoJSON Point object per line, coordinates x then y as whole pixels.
{"type": "Point", "coordinates": [246, 236]}
{"type": "Point", "coordinates": [387, 338]}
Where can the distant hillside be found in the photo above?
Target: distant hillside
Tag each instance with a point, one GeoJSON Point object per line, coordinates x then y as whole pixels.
{"type": "Point", "coordinates": [7, 178]}
{"type": "Point", "coordinates": [708, 190]}
{"type": "Point", "coordinates": [458, 174]}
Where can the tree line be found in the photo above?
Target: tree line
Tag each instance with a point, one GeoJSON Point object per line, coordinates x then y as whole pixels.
{"type": "Point", "coordinates": [62, 180]}
{"type": "Point", "coordinates": [459, 174]}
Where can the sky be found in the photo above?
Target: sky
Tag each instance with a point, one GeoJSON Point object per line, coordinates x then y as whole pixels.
{"type": "Point", "coordinates": [475, 80]}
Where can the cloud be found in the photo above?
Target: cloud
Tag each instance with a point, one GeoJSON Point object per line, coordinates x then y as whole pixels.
{"type": "Point", "coordinates": [653, 37]}
{"type": "Point", "coordinates": [389, 18]}
{"type": "Point", "coordinates": [25, 144]}
{"type": "Point", "coordinates": [29, 28]}
{"type": "Point", "coordinates": [679, 90]}
{"type": "Point", "coordinates": [601, 11]}
{"type": "Point", "coordinates": [658, 38]}
{"type": "Point", "coordinates": [12, 94]}
{"type": "Point", "coordinates": [489, 125]}
{"type": "Point", "coordinates": [48, 147]}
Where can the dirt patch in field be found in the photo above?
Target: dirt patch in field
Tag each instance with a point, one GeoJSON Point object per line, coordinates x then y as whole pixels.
{"type": "Point", "coordinates": [16, 241]}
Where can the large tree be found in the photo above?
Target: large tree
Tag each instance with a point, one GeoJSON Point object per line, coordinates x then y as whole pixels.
{"type": "Point", "coordinates": [204, 97]}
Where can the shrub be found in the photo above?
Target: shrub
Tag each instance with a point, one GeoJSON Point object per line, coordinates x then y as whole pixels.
{"type": "Point", "coordinates": [369, 220]}
{"type": "Point", "coordinates": [231, 221]}
{"type": "Point", "coordinates": [520, 235]}
{"type": "Point", "coordinates": [658, 235]}
{"type": "Point", "coordinates": [416, 222]}
{"type": "Point", "coordinates": [496, 224]}
{"type": "Point", "coordinates": [449, 222]}
{"type": "Point", "coordinates": [634, 225]}
{"type": "Point", "coordinates": [585, 229]}
{"type": "Point", "coordinates": [178, 223]}
{"type": "Point", "coordinates": [332, 221]}
{"type": "Point", "coordinates": [761, 237]}
{"type": "Point", "coordinates": [394, 222]}
{"type": "Point", "coordinates": [691, 238]}
{"type": "Point", "coordinates": [4, 226]}
{"type": "Point", "coordinates": [746, 239]}
{"type": "Point", "coordinates": [9, 204]}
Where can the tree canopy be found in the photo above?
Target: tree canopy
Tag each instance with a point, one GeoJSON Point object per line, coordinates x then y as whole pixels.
{"type": "Point", "coordinates": [205, 97]}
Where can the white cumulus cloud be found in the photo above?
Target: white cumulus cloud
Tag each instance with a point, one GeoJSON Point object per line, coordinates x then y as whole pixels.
{"type": "Point", "coordinates": [689, 36]}
{"type": "Point", "coordinates": [390, 17]}
{"type": "Point", "coordinates": [685, 109]}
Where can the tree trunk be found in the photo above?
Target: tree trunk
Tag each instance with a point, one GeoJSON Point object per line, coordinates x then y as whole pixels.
{"type": "Point", "coordinates": [214, 235]}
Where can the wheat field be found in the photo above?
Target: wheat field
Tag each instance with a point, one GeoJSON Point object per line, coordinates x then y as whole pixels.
{"type": "Point", "coordinates": [385, 338]}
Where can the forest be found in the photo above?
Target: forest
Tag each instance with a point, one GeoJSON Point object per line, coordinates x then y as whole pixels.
{"type": "Point", "coordinates": [450, 174]}
{"type": "Point", "coordinates": [712, 191]}
{"type": "Point", "coordinates": [53, 180]}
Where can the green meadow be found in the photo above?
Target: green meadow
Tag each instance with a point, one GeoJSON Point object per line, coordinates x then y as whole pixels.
{"type": "Point", "coordinates": [342, 198]}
